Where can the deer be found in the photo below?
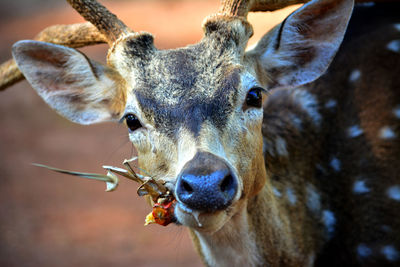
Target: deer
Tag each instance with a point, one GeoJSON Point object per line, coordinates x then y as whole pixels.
{"type": "Point", "coordinates": [284, 154]}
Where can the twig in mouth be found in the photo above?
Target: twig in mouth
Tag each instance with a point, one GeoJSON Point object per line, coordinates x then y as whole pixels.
{"type": "Point", "coordinates": [148, 185]}
{"type": "Point", "coordinates": [163, 209]}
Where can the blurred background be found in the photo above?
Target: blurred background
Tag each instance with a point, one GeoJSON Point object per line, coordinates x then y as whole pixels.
{"type": "Point", "coordinates": [49, 219]}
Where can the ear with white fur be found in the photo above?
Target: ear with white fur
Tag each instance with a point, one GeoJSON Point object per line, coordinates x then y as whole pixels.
{"type": "Point", "coordinates": [78, 88]}
{"type": "Point", "coordinates": [300, 49]}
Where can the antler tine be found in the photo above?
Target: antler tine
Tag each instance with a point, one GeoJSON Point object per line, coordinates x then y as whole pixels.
{"type": "Point", "coordinates": [106, 22]}
{"type": "Point", "coordinates": [9, 74]}
{"type": "Point", "coordinates": [242, 7]}
{"type": "Point", "coordinates": [74, 35]}
{"type": "Point", "coordinates": [235, 7]}
{"type": "Point", "coordinates": [271, 5]}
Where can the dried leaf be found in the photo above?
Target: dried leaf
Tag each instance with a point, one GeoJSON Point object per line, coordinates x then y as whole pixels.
{"type": "Point", "coordinates": [111, 186]}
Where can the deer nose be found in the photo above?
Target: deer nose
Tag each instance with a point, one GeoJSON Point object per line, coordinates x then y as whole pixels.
{"type": "Point", "coordinates": [206, 183]}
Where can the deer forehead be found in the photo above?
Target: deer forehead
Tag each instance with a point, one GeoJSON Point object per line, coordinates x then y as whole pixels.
{"type": "Point", "coordinates": [186, 87]}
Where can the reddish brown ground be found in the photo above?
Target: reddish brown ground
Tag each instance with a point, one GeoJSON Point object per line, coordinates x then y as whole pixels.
{"type": "Point", "coordinates": [49, 219]}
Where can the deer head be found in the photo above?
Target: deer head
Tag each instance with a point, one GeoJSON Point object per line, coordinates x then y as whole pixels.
{"type": "Point", "coordinates": [195, 113]}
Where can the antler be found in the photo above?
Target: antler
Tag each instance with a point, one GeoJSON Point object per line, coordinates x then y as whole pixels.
{"type": "Point", "coordinates": [242, 7]}
{"type": "Point", "coordinates": [271, 5]}
{"type": "Point", "coordinates": [106, 22]}
{"type": "Point", "coordinates": [104, 27]}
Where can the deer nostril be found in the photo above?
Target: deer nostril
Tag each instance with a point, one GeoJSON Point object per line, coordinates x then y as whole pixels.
{"type": "Point", "coordinates": [187, 187]}
{"type": "Point", "coordinates": [226, 183]}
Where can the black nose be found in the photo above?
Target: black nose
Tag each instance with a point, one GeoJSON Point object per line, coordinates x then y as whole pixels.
{"type": "Point", "coordinates": [206, 183]}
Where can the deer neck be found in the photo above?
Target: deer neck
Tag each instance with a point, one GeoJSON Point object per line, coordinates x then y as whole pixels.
{"type": "Point", "coordinates": [233, 245]}
{"type": "Point", "coordinates": [262, 234]}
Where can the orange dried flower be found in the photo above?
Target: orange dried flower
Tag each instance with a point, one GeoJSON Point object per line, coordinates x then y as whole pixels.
{"type": "Point", "coordinates": [162, 214]}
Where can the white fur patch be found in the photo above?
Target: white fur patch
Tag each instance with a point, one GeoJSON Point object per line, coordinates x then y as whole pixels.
{"type": "Point", "coordinates": [330, 104]}
{"type": "Point", "coordinates": [291, 196]}
{"type": "Point", "coordinates": [354, 131]}
{"type": "Point", "coordinates": [396, 111]}
{"type": "Point", "coordinates": [264, 145]}
{"type": "Point", "coordinates": [355, 75]}
{"type": "Point", "coordinates": [329, 220]}
{"type": "Point", "coordinates": [280, 146]}
{"type": "Point", "coordinates": [313, 199]}
{"type": "Point", "coordinates": [367, 4]}
{"type": "Point", "coordinates": [359, 187]}
{"type": "Point", "coordinates": [363, 251]}
{"type": "Point", "coordinates": [336, 164]}
{"type": "Point", "coordinates": [276, 192]}
{"type": "Point", "coordinates": [308, 103]}
{"type": "Point", "coordinates": [387, 132]}
{"type": "Point", "coordinates": [394, 192]}
{"type": "Point", "coordinates": [390, 253]}
{"type": "Point", "coordinates": [296, 121]}
{"type": "Point", "coordinates": [397, 26]}
{"type": "Point", "coordinates": [394, 46]}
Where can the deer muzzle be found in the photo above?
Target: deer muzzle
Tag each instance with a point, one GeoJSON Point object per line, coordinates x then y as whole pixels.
{"type": "Point", "coordinates": [206, 184]}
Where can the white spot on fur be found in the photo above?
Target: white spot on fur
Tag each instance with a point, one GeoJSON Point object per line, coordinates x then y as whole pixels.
{"type": "Point", "coordinates": [394, 46]}
{"type": "Point", "coordinates": [276, 192]}
{"type": "Point", "coordinates": [264, 145]}
{"type": "Point", "coordinates": [363, 251]}
{"type": "Point", "coordinates": [308, 103]}
{"type": "Point", "coordinates": [268, 147]}
{"type": "Point", "coordinates": [390, 253]}
{"type": "Point", "coordinates": [313, 199]}
{"type": "Point", "coordinates": [280, 146]}
{"type": "Point", "coordinates": [329, 220]}
{"type": "Point", "coordinates": [394, 192]}
{"type": "Point", "coordinates": [354, 131]}
{"type": "Point", "coordinates": [296, 121]}
{"type": "Point", "coordinates": [355, 75]}
{"type": "Point", "coordinates": [367, 4]}
{"type": "Point", "coordinates": [359, 187]}
{"type": "Point", "coordinates": [311, 259]}
{"type": "Point", "coordinates": [396, 111]}
{"type": "Point", "coordinates": [330, 104]}
{"type": "Point", "coordinates": [397, 26]}
{"type": "Point", "coordinates": [335, 164]}
{"type": "Point", "coordinates": [291, 196]}
{"type": "Point", "coordinates": [387, 132]}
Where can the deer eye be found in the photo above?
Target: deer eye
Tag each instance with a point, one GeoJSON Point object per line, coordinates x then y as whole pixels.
{"type": "Point", "coordinates": [254, 97]}
{"type": "Point", "coordinates": [133, 122]}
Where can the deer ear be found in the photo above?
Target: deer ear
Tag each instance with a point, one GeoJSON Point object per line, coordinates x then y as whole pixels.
{"type": "Point", "coordinates": [300, 49]}
{"type": "Point", "coordinates": [78, 88]}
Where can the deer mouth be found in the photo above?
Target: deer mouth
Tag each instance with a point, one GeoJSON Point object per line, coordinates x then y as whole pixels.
{"type": "Point", "coordinates": [201, 221]}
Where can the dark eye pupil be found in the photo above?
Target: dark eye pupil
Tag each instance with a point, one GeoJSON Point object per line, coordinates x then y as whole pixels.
{"type": "Point", "coordinates": [254, 98]}
{"type": "Point", "coordinates": [133, 122]}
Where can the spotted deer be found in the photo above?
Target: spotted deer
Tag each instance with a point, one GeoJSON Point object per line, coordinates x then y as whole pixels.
{"type": "Point", "coordinates": [286, 154]}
